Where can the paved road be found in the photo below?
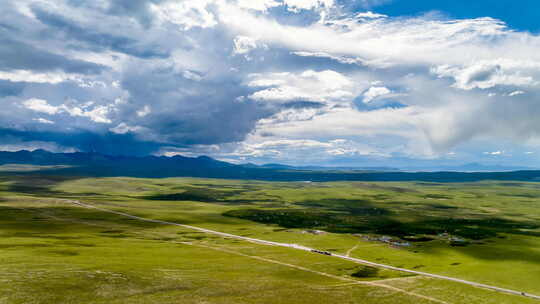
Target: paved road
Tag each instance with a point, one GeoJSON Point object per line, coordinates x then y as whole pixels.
{"type": "Point", "coordinates": [299, 247]}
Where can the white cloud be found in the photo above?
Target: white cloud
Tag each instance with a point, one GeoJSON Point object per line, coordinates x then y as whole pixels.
{"type": "Point", "coordinates": [370, 15]}
{"type": "Point", "coordinates": [516, 93]}
{"type": "Point", "coordinates": [144, 111]}
{"type": "Point", "coordinates": [413, 40]}
{"type": "Point", "coordinates": [375, 92]}
{"type": "Point", "coordinates": [186, 14]}
{"type": "Point", "coordinates": [341, 59]}
{"type": "Point", "coordinates": [324, 86]}
{"type": "Point", "coordinates": [259, 5]}
{"type": "Point", "coordinates": [295, 149]}
{"type": "Point", "coordinates": [482, 75]}
{"type": "Point", "coordinates": [494, 153]}
{"type": "Point", "coordinates": [192, 76]}
{"type": "Point", "coordinates": [41, 106]}
{"type": "Point", "coordinates": [294, 143]}
{"type": "Point", "coordinates": [43, 121]}
{"type": "Point", "coordinates": [98, 114]}
{"type": "Point", "coordinates": [243, 45]}
{"type": "Point", "coordinates": [123, 128]}
{"type": "Point", "coordinates": [348, 122]}
{"type": "Point", "coordinates": [296, 5]}
{"type": "Point", "coordinates": [30, 76]}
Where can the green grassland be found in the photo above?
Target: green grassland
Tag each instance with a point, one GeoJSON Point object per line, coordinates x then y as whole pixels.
{"type": "Point", "coordinates": [52, 251]}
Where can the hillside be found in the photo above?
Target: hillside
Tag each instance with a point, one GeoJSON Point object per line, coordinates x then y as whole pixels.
{"type": "Point", "coordinates": [101, 165]}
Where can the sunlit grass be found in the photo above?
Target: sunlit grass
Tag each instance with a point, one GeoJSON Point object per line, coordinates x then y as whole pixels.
{"type": "Point", "coordinates": [54, 252]}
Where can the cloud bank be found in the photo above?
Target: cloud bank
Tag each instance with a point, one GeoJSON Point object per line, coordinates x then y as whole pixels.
{"type": "Point", "coordinates": [298, 81]}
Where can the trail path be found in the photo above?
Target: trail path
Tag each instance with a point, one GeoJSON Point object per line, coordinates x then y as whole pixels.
{"type": "Point", "coordinates": [348, 253]}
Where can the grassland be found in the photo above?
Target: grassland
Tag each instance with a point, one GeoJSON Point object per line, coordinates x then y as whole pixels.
{"type": "Point", "coordinates": [55, 252]}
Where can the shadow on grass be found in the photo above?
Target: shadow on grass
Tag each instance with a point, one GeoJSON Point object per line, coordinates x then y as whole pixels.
{"type": "Point", "coordinates": [353, 207]}
{"type": "Point", "coordinates": [17, 222]}
{"type": "Point", "coordinates": [379, 222]}
{"type": "Point", "coordinates": [396, 189]}
{"type": "Point", "coordinates": [510, 249]}
{"type": "Point", "coordinates": [206, 195]}
{"type": "Point", "coordinates": [36, 185]}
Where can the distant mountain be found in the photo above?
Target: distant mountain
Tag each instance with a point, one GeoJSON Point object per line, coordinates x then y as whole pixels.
{"type": "Point", "coordinates": [42, 157]}
{"type": "Point", "coordinates": [327, 168]}
{"type": "Point", "coordinates": [96, 164]}
{"type": "Point", "coordinates": [275, 166]}
{"type": "Point", "coordinates": [477, 167]}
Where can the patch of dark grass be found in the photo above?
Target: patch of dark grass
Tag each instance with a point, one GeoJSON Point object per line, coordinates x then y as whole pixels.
{"type": "Point", "coordinates": [163, 289]}
{"type": "Point", "coordinates": [196, 194]}
{"type": "Point", "coordinates": [8, 246]}
{"type": "Point", "coordinates": [183, 196]}
{"type": "Point", "coordinates": [525, 195]}
{"type": "Point", "coordinates": [57, 237]}
{"type": "Point", "coordinates": [419, 230]}
{"type": "Point", "coordinates": [165, 239]}
{"type": "Point", "coordinates": [419, 238]}
{"type": "Point", "coordinates": [117, 236]}
{"type": "Point", "coordinates": [39, 185]}
{"type": "Point", "coordinates": [459, 244]}
{"type": "Point", "coordinates": [88, 245]}
{"type": "Point", "coordinates": [195, 237]}
{"type": "Point", "coordinates": [17, 222]}
{"type": "Point", "coordinates": [112, 231]}
{"type": "Point", "coordinates": [380, 197]}
{"type": "Point", "coordinates": [64, 252]}
{"type": "Point", "coordinates": [288, 218]}
{"type": "Point", "coordinates": [428, 184]}
{"type": "Point", "coordinates": [437, 196]}
{"type": "Point", "coordinates": [366, 272]}
{"type": "Point", "coordinates": [207, 195]}
{"type": "Point", "coordinates": [360, 207]}
{"type": "Point", "coordinates": [512, 184]}
{"type": "Point", "coordinates": [385, 188]}
{"type": "Point", "coordinates": [443, 207]}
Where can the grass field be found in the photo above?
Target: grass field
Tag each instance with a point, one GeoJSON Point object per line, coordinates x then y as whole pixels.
{"type": "Point", "coordinates": [52, 251]}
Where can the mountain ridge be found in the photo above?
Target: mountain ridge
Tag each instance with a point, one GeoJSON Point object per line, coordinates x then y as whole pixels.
{"type": "Point", "coordinates": [100, 165]}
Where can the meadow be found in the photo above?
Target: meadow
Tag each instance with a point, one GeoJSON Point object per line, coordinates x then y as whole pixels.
{"type": "Point", "coordinates": [53, 251]}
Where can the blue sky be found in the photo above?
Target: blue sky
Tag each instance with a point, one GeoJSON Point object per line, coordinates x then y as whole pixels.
{"type": "Point", "coordinates": [306, 82]}
{"type": "Point", "coordinates": [520, 15]}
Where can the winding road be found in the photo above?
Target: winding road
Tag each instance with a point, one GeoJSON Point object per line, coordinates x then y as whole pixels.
{"type": "Point", "coordinates": [299, 247]}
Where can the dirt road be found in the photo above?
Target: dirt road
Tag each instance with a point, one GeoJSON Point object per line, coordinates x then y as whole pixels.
{"type": "Point", "coordinates": [298, 247]}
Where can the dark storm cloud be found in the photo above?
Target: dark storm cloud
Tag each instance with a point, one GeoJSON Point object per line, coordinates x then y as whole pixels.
{"type": "Point", "coordinates": [138, 9]}
{"type": "Point", "coordinates": [8, 88]}
{"type": "Point", "coordinates": [186, 111]}
{"type": "Point", "coordinates": [96, 40]}
{"type": "Point", "coordinates": [106, 142]}
{"type": "Point", "coordinates": [196, 103]}
{"type": "Point", "coordinates": [19, 55]}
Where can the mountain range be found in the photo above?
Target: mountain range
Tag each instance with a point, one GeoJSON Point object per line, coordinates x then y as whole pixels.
{"type": "Point", "coordinates": [96, 164]}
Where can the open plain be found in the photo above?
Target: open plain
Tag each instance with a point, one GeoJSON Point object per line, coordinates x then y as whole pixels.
{"type": "Point", "coordinates": [54, 250]}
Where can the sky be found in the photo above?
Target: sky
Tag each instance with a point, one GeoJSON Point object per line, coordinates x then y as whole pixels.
{"type": "Point", "coordinates": [304, 82]}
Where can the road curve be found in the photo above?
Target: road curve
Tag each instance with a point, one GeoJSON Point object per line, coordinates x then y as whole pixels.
{"type": "Point", "coordinates": [298, 247]}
